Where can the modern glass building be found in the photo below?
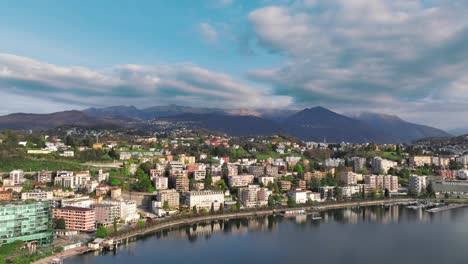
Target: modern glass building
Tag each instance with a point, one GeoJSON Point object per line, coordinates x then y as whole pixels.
{"type": "Point", "coordinates": [25, 221]}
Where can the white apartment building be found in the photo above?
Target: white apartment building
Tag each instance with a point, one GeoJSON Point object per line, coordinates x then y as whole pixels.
{"type": "Point", "coordinates": [67, 179]}
{"type": "Point", "coordinates": [82, 202]}
{"type": "Point", "coordinates": [37, 195]}
{"type": "Point", "coordinates": [204, 199]}
{"type": "Point", "coordinates": [314, 196]}
{"type": "Point", "coordinates": [349, 191]}
{"type": "Point", "coordinates": [127, 209]}
{"type": "Point", "coordinates": [298, 195]}
{"type": "Point", "coordinates": [199, 175]}
{"type": "Point", "coordinates": [265, 180]}
{"type": "Point", "coordinates": [254, 196]}
{"type": "Point", "coordinates": [334, 162]}
{"type": "Point", "coordinates": [240, 180]}
{"type": "Point", "coordinates": [380, 165]}
{"type": "Point", "coordinates": [161, 183]}
{"type": "Point", "coordinates": [462, 174]}
{"type": "Point", "coordinates": [17, 176]}
{"type": "Point", "coordinates": [417, 183]}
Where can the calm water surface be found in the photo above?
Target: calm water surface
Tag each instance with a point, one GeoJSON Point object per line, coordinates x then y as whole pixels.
{"type": "Point", "coordinates": [364, 235]}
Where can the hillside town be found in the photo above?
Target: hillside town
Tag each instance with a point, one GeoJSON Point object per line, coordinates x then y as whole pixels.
{"type": "Point", "coordinates": [108, 182]}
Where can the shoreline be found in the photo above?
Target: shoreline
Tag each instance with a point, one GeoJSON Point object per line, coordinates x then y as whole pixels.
{"type": "Point", "coordinates": [200, 219]}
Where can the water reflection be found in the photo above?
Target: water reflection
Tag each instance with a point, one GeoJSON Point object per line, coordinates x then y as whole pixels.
{"type": "Point", "coordinates": [355, 215]}
{"type": "Point", "coordinates": [377, 228]}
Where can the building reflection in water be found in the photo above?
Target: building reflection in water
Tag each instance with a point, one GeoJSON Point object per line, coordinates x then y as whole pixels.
{"type": "Point", "coordinates": [355, 215]}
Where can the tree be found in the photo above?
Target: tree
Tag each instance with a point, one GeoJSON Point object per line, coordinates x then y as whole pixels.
{"type": "Point", "coordinates": [314, 184]}
{"type": "Point", "coordinates": [291, 202]}
{"type": "Point", "coordinates": [113, 154]}
{"type": "Point", "coordinates": [60, 224]}
{"type": "Point", "coordinates": [115, 224]}
{"type": "Point", "coordinates": [212, 210]}
{"type": "Point", "coordinates": [143, 183]}
{"type": "Point", "coordinates": [271, 201]}
{"type": "Point", "coordinates": [221, 207]}
{"type": "Point", "coordinates": [141, 223]}
{"type": "Point", "coordinates": [338, 193]}
{"type": "Point", "coordinates": [430, 190]}
{"type": "Point", "coordinates": [146, 167]}
{"type": "Point", "coordinates": [115, 182]}
{"type": "Point", "coordinates": [238, 205]}
{"type": "Point", "coordinates": [101, 232]}
{"type": "Point", "coordinates": [387, 193]}
{"type": "Point", "coordinates": [221, 185]}
{"type": "Point", "coordinates": [194, 209]}
{"type": "Point", "coordinates": [192, 184]}
{"type": "Point", "coordinates": [298, 168]}
{"type": "Point", "coordinates": [454, 165]}
{"type": "Point", "coordinates": [166, 205]}
{"type": "Point", "coordinates": [208, 181]}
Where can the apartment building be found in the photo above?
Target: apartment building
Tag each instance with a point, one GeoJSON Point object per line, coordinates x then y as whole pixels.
{"type": "Point", "coordinates": [161, 183]}
{"type": "Point", "coordinates": [358, 164]}
{"type": "Point", "coordinates": [28, 222]}
{"type": "Point", "coordinates": [265, 180]}
{"type": "Point", "coordinates": [76, 218]}
{"type": "Point", "coordinates": [334, 163]}
{"type": "Point", "coordinates": [271, 171]}
{"type": "Point", "coordinates": [68, 179]}
{"type": "Point", "coordinates": [316, 174]}
{"type": "Point", "coordinates": [350, 178]}
{"type": "Point", "coordinates": [285, 185]}
{"type": "Point", "coordinates": [380, 165]}
{"type": "Point", "coordinates": [38, 195]}
{"type": "Point", "coordinates": [254, 196]}
{"type": "Point", "coordinates": [5, 196]}
{"type": "Point", "coordinates": [106, 214]}
{"type": "Point", "coordinates": [199, 175]}
{"type": "Point", "coordinates": [256, 171]}
{"type": "Point", "coordinates": [420, 160]}
{"type": "Point", "coordinates": [204, 199]}
{"type": "Point", "coordinates": [17, 177]}
{"type": "Point", "coordinates": [240, 180]}
{"type": "Point", "coordinates": [126, 209]}
{"type": "Point", "coordinates": [171, 196]}
{"type": "Point", "coordinates": [298, 195]}
{"type": "Point", "coordinates": [418, 183]}
{"type": "Point", "coordinates": [44, 176]}
{"type": "Point", "coordinates": [382, 182]}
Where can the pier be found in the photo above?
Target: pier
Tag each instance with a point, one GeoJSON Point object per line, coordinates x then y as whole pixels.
{"type": "Point", "coordinates": [445, 208]}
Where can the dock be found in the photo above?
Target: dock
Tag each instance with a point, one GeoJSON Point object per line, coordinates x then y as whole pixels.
{"type": "Point", "coordinates": [445, 208]}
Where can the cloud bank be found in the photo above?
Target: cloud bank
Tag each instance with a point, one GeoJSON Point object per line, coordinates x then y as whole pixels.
{"type": "Point", "coordinates": [139, 85]}
{"type": "Point", "coordinates": [404, 56]}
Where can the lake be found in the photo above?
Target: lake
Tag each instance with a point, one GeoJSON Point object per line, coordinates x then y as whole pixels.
{"type": "Point", "coordinates": [355, 235]}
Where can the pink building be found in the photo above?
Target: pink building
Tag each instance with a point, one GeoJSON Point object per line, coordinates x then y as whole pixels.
{"type": "Point", "coordinates": [76, 218]}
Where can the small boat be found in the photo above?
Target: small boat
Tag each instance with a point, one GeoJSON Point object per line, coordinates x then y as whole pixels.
{"type": "Point", "coordinates": [316, 218]}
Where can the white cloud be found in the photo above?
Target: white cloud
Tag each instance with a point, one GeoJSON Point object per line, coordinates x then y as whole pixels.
{"type": "Point", "coordinates": [140, 85]}
{"type": "Point", "coordinates": [208, 32]}
{"type": "Point", "coordinates": [370, 55]}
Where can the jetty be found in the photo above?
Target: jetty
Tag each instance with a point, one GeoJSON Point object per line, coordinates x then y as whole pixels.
{"type": "Point", "coordinates": [445, 208]}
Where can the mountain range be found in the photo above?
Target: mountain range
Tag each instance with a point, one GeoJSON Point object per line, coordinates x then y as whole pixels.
{"type": "Point", "coordinates": [310, 124]}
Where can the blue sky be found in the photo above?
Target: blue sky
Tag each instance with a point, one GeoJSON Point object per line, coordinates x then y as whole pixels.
{"type": "Point", "coordinates": [404, 57]}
